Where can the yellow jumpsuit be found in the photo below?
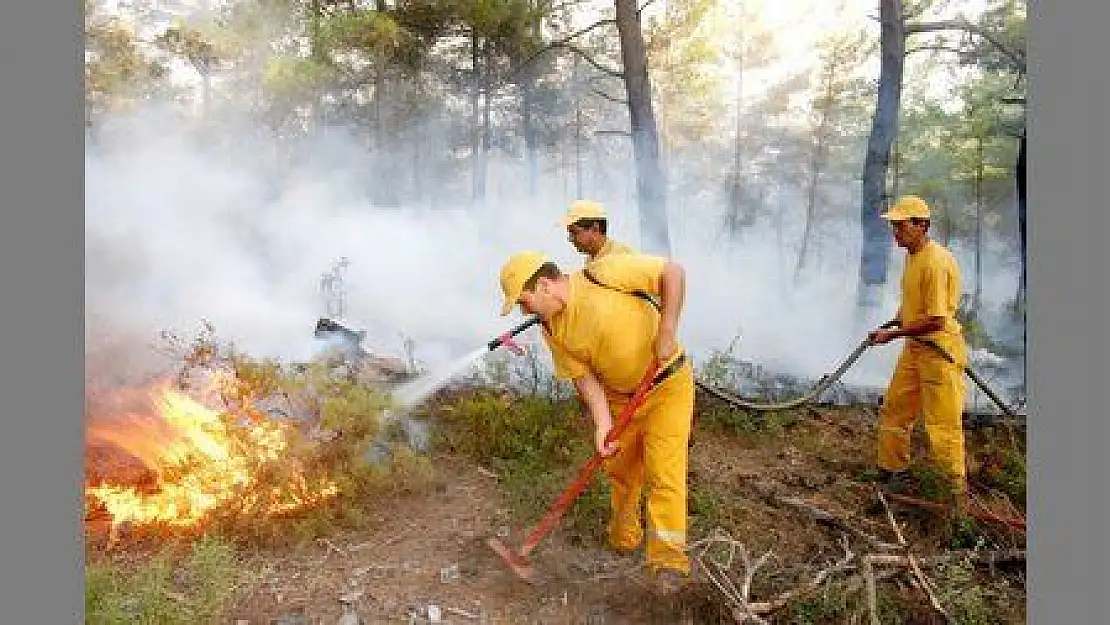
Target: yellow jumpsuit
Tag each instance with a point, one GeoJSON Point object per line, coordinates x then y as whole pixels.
{"type": "Point", "coordinates": [924, 381]}
{"type": "Point", "coordinates": [612, 334]}
{"type": "Point", "coordinates": [611, 247]}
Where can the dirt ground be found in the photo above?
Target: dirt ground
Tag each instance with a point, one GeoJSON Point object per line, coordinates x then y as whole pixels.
{"type": "Point", "coordinates": [428, 554]}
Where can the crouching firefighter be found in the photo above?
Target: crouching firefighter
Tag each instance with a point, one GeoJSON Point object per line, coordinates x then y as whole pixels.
{"type": "Point", "coordinates": [604, 341]}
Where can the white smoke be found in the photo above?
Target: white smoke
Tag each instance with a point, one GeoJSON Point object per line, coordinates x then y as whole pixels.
{"type": "Point", "coordinates": [179, 230]}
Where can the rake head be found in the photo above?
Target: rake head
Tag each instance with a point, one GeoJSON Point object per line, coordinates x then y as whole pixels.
{"type": "Point", "coordinates": [516, 562]}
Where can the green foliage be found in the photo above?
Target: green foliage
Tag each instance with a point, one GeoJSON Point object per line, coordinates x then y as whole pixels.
{"type": "Point", "coordinates": [969, 600]}
{"type": "Point", "coordinates": [290, 75]}
{"type": "Point", "coordinates": [682, 57]}
{"type": "Point", "coordinates": [827, 607]}
{"type": "Point", "coordinates": [1004, 468]}
{"type": "Point", "coordinates": [169, 589]}
{"type": "Point", "coordinates": [931, 481]}
{"type": "Point", "coordinates": [835, 606]}
{"type": "Point", "coordinates": [535, 444]}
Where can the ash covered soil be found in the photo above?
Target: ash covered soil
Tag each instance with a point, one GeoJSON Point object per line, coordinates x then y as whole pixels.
{"type": "Point", "coordinates": [426, 555]}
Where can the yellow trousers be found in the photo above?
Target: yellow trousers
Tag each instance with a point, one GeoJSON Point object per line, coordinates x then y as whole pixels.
{"type": "Point", "coordinates": [653, 457]}
{"type": "Point", "coordinates": [927, 384]}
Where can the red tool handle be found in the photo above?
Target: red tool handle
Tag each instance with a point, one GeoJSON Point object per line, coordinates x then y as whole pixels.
{"type": "Point", "coordinates": [586, 473]}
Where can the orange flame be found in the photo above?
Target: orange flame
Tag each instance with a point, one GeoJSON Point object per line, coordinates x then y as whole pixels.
{"type": "Point", "coordinates": [201, 464]}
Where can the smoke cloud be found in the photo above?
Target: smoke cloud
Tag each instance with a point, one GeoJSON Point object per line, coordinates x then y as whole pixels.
{"type": "Point", "coordinates": [179, 230]}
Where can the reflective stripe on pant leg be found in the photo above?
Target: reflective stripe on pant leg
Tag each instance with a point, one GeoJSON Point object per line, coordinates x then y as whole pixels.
{"type": "Point", "coordinates": [943, 391]}
{"type": "Point", "coordinates": [667, 422]}
{"type": "Point", "coordinates": [625, 471]}
{"type": "Point", "coordinates": [896, 418]}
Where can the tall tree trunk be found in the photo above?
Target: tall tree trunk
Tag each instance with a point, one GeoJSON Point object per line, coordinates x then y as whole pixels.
{"type": "Point", "coordinates": [477, 169]}
{"type": "Point", "coordinates": [737, 216]}
{"type": "Point", "coordinates": [577, 150]}
{"type": "Point", "coordinates": [527, 105]}
{"type": "Point", "coordinates": [817, 164]}
{"type": "Point", "coordinates": [487, 79]}
{"type": "Point", "coordinates": [531, 149]}
{"type": "Point", "coordinates": [651, 184]}
{"type": "Point", "coordinates": [1019, 179]}
{"type": "Point", "coordinates": [1019, 302]}
{"type": "Point", "coordinates": [875, 249]}
{"type": "Point", "coordinates": [977, 299]}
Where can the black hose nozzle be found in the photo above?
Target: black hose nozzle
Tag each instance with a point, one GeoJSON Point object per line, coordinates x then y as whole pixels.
{"type": "Point", "coordinates": [506, 338]}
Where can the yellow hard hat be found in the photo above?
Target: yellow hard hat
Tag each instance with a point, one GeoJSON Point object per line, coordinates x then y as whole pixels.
{"type": "Point", "coordinates": [515, 272]}
{"type": "Point", "coordinates": [907, 207]}
{"type": "Point", "coordinates": [583, 209]}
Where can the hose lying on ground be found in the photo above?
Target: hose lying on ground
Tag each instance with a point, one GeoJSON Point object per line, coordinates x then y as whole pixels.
{"type": "Point", "coordinates": [822, 385]}
{"type": "Point", "coordinates": [827, 381]}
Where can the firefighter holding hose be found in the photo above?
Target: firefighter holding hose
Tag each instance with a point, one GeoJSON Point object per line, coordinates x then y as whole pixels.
{"type": "Point", "coordinates": [604, 341]}
{"type": "Point", "coordinates": [924, 380]}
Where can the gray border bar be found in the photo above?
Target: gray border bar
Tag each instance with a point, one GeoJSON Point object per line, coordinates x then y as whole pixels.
{"type": "Point", "coordinates": [1069, 346]}
{"type": "Point", "coordinates": [41, 254]}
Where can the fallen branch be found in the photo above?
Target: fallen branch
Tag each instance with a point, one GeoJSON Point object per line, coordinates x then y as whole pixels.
{"type": "Point", "coordinates": [486, 472]}
{"type": "Point", "coordinates": [458, 612]}
{"type": "Point", "coordinates": [718, 574]}
{"type": "Point", "coordinates": [767, 492]}
{"type": "Point", "coordinates": [872, 594]}
{"type": "Point", "coordinates": [923, 581]}
{"type": "Point", "coordinates": [989, 558]}
{"type": "Point", "coordinates": [975, 511]}
{"type": "Point", "coordinates": [779, 602]}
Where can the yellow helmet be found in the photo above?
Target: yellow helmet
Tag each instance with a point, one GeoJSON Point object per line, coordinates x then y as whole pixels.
{"type": "Point", "coordinates": [583, 209]}
{"type": "Point", "coordinates": [907, 207]}
{"type": "Point", "coordinates": [515, 272]}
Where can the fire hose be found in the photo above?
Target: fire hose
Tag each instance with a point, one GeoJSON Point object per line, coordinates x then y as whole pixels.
{"type": "Point", "coordinates": [827, 381]}
{"type": "Point", "coordinates": [822, 385]}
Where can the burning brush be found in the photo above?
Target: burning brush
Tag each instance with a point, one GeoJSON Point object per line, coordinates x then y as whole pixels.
{"type": "Point", "coordinates": [197, 461]}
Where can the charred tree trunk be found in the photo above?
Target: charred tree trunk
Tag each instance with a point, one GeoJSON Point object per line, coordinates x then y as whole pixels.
{"type": "Point", "coordinates": [651, 186]}
{"type": "Point", "coordinates": [875, 250]}
{"type": "Point", "coordinates": [1019, 178]}
{"type": "Point", "coordinates": [1019, 301]}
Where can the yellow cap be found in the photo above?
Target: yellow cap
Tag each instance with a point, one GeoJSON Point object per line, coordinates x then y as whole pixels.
{"type": "Point", "coordinates": [583, 209]}
{"type": "Point", "coordinates": [515, 272]}
{"type": "Point", "coordinates": [907, 207]}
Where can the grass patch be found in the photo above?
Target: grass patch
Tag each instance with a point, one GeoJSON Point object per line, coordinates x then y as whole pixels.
{"type": "Point", "coordinates": [194, 587]}
{"type": "Point", "coordinates": [536, 444]}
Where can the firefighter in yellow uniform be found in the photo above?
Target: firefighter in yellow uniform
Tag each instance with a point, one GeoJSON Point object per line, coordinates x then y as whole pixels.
{"type": "Point", "coordinates": [603, 339]}
{"type": "Point", "coordinates": [924, 381]}
{"type": "Point", "coordinates": [587, 229]}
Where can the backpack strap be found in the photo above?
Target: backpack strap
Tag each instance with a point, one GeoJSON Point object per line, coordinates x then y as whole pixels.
{"type": "Point", "coordinates": [640, 294]}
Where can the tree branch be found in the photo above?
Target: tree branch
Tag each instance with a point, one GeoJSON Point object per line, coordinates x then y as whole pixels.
{"type": "Point", "coordinates": [602, 94]}
{"type": "Point", "coordinates": [1014, 57]}
{"type": "Point", "coordinates": [910, 51]}
{"type": "Point", "coordinates": [598, 66]}
{"type": "Point", "coordinates": [644, 6]}
{"type": "Point", "coordinates": [561, 42]}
